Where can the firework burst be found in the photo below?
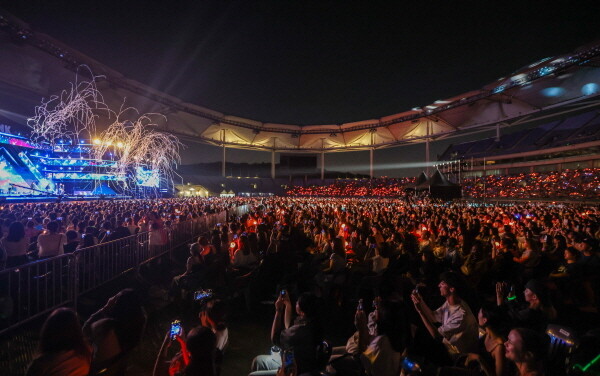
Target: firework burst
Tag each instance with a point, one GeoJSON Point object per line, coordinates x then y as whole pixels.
{"type": "Point", "coordinates": [70, 115]}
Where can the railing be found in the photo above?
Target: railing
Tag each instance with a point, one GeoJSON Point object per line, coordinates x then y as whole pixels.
{"type": "Point", "coordinates": [35, 289]}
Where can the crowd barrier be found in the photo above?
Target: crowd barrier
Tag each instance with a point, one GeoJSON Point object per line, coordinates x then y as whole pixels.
{"type": "Point", "coordinates": [35, 289]}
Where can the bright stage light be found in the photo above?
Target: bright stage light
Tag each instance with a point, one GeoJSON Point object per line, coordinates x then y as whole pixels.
{"type": "Point", "coordinates": [120, 145]}
{"type": "Point", "coordinates": [589, 89]}
{"type": "Point", "coordinates": [553, 91]}
{"type": "Point", "coordinates": [97, 141]}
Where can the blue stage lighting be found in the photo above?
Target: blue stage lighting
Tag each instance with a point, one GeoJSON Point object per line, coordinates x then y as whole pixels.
{"type": "Point", "coordinates": [553, 91]}
{"type": "Point", "coordinates": [589, 89]}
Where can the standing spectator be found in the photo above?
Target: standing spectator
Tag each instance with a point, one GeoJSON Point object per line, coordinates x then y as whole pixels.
{"type": "Point", "coordinates": [62, 350]}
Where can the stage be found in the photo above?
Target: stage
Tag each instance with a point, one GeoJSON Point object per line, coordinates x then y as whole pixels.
{"type": "Point", "coordinates": [14, 199]}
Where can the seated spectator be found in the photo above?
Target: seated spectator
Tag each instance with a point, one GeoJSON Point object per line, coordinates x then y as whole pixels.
{"type": "Point", "coordinates": [15, 245]}
{"type": "Point", "coordinates": [52, 242]}
{"type": "Point", "coordinates": [590, 268]}
{"type": "Point", "coordinates": [376, 346]}
{"type": "Point", "coordinates": [491, 345]}
{"type": "Point", "coordinates": [214, 316]}
{"type": "Point", "coordinates": [115, 329]}
{"type": "Point", "coordinates": [302, 337]}
{"type": "Point", "coordinates": [244, 259]}
{"type": "Point", "coordinates": [62, 350]}
{"type": "Point", "coordinates": [195, 358]}
{"type": "Point", "coordinates": [527, 349]}
{"type": "Point", "coordinates": [72, 241]}
{"type": "Point", "coordinates": [458, 329]}
{"type": "Point", "coordinates": [538, 310]}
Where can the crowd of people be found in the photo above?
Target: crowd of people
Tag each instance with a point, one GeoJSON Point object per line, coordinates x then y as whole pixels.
{"type": "Point", "coordinates": [571, 184]}
{"type": "Point", "coordinates": [434, 287]}
{"type": "Point", "coordinates": [384, 187]}
{"type": "Point", "coordinates": [31, 231]}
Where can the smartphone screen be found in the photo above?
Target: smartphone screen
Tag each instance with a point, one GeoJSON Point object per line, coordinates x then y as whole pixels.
{"type": "Point", "coordinates": [289, 361]}
{"type": "Point", "coordinates": [175, 329]}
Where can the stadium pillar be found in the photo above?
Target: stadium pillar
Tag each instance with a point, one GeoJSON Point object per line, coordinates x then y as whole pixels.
{"type": "Point", "coordinates": [223, 162]}
{"type": "Point", "coordinates": [371, 162]}
{"type": "Point", "coordinates": [273, 164]}
{"type": "Point", "coordinates": [322, 166]}
{"type": "Point", "coordinates": [427, 150]}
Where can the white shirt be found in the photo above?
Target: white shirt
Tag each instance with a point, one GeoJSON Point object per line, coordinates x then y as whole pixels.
{"type": "Point", "coordinates": [12, 249]}
{"type": "Point", "coordinates": [380, 359]}
{"type": "Point", "coordinates": [459, 327]}
{"type": "Point", "coordinates": [51, 245]}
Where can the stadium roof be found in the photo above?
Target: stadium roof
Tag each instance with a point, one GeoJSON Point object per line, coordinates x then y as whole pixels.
{"type": "Point", "coordinates": [35, 65]}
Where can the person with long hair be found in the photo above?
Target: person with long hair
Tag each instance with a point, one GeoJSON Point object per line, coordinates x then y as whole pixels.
{"type": "Point", "coordinates": [527, 349]}
{"type": "Point", "coordinates": [52, 242]}
{"type": "Point", "coordinates": [491, 344]}
{"type": "Point", "coordinates": [244, 258]}
{"type": "Point", "coordinates": [15, 245]}
{"type": "Point", "coordinates": [63, 350]}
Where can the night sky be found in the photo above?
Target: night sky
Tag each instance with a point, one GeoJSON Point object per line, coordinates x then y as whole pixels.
{"type": "Point", "coordinates": [319, 62]}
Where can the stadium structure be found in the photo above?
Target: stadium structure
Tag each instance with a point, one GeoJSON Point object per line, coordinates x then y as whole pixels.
{"type": "Point", "coordinates": [544, 115]}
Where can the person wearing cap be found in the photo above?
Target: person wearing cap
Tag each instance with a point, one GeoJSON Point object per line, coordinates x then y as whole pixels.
{"type": "Point", "coordinates": [590, 268]}
{"type": "Point", "coordinates": [538, 310]}
{"type": "Point", "coordinates": [589, 259]}
{"type": "Point", "coordinates": [459, 329]}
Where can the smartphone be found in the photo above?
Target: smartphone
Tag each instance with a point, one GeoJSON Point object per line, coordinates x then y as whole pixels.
{"type": "Point", "coordinates": [409, 366]}
{"type": "Point", "coordinates": [288, 361]}
{"type": "Point", "coordinates": [360, 306]}
{"type": "Point", "coordinates": [175, 329]}
{"type": "Point", "coordinates": [203, 294]}
{"type": "Point", "coordinates": [283, 292]}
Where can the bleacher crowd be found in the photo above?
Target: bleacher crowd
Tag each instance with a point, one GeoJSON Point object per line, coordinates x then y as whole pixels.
{"type": "Point", "coordinates": [571, 184]}
{"type": "Point", "coordinates": [430, 288]}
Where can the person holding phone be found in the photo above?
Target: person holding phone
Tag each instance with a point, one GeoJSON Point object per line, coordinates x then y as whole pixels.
{"type": "Point", "coordinates": [458, 330]}
{"type": "Point", "coordinates": [300, 336]}
{"type": "Point", "coordinates": [196, 355]}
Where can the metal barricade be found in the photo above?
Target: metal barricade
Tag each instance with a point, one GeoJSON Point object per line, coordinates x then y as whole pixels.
{"type": "Point", "coordinates": [35, 289]}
